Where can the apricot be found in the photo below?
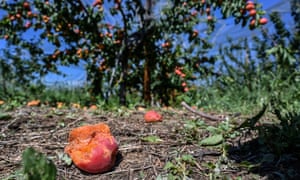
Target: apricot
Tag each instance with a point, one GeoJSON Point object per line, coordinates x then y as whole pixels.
{"type": "Point", "coordinates": [252, 22]}
{"type": "Point", "coordinates": [92, 148]}
{"type": "Point", "coordinates": [152, 116]}
{"type": "Point", "coordinates": [263, 21]}
{"type": "Point", "coordinates": [252, 12]}
{"type": "Point", "coordinates": [59, 104]}
{"type": "Point", "coordinates": [250, 6]}
{"type": "Point", "coordinates": [93, 107]}
{"type": "Point", "coordinates": [34, 103]}
{"type": "Point", "coordinates": [26, 5]}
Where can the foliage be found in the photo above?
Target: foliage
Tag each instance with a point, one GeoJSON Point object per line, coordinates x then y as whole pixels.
{"type": "Point", "coordinates": [67, 95]}
{"type": "Point", "coordinates": [179, 169]}
{"type": "Point", "coordinates": [262, 76]}
{"type": "Point", "coordinates": [152, 139]}
{"type": "Point", "coordinates": [37, 166]}
{"type": "Point", "coordinates": [4, 116]}
{"type": "Point", "coordinates": [270, 79]}
{"type": "Point", "coordinates": [139, 49]}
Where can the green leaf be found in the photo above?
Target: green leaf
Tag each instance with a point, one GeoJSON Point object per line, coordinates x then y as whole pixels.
{"type": "Point", "coordinates": [36, 166]}
{"type": "Point", "coordinates": [65, 158]}
{"type": "Point", "coordinates": [248, 165]}
{"type": "Point", "coordinates": [169, 165]}
{"type": "Point", "coordinates": [4, 116]}
{"type": "Point", "coordinates": [190, 125]}
{"type": "Point", "coordinates": [212, 140]}
{"type": "Point", "coordinates": [188, 158]}
{"type": "Point", "coordinates": [213, 129]}
{"type": "Point", "coordinates": [152, 139]}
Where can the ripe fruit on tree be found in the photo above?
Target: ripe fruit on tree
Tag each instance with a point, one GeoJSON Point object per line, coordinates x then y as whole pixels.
{"type": "Point", "coordinates": [76, 31]}
{"type": "Point", "coordinates": [263, 21]}
{"type": "Point", "coordinates": [195, 33]}
{"type": "Point", "coordinates": [178, 72]}
{"type": "Point", "coordinates": [252, 22]}
{"type": "Point", "coordinates": [208, 10]}
{"type": "Point", "coordinates": [12, 17]}
{"type": "Point", "coordinates": [166, 45]}
{"type": "Point", "coordinates": [29, 14]}
{"type": "Point", "coordinates": [45, 18]}
{"type": "Point", "coordinates": [252, 12]}
{"type": "Point", "coordinates": [26, 5]}
{"type": "Point", "coordinates": [209, 18]}
{"type": "Point", "coordinates": [250, 5]}
{"type": "Point", "coordinates": [194, 13]}
{"type": "Point", "coordinates": [28, 24]}
{"type": "Point", "coordinates": [97, 2]}
{"type": "Point", "coordinates": [18, 15]}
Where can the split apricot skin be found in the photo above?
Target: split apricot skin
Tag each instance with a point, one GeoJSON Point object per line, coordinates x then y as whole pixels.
{"type": "Point", "coordinates": [92, 148]}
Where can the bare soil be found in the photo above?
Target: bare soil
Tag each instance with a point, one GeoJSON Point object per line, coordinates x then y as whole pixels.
{"type": "Point", "coordinates": [46, 129]}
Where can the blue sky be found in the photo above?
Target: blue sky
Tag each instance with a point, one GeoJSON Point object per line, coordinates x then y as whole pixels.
{"type": "Point", "coordinates": [75, 75]}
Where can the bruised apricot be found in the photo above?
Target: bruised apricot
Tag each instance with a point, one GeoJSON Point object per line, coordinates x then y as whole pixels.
{"type": "Point", "coordinates": [92, 148]}
{"type": "Point", "coordinates": [152, 116]}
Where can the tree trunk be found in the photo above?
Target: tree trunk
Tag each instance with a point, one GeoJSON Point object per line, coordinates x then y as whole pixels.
{"type": "Point", "coordinates": [123, 84]}
{"type": "Point", "coordinates": [147, 82]}
{"type": "Point", "coordinates": [148, 48]}
{"type": "Point", "coordinates": [95, 78]}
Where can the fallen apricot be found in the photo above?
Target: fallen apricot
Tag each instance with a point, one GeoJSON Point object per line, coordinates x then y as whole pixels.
{"type": "Point", "coordinates": [92, 148]}
{"type": "Point", "coordinates": [59, 104]}
{"type": "Point", "coordinates": [34, 103]}
{"type": "Point", "coordinates": [76, 105]}
{"type": "Point", "coordinates": [93, 107]}
{"type": "Point", "coordinates": [152, 116]}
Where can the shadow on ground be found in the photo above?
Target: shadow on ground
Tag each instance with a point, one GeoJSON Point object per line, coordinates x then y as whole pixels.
{"type": "Point", "coordinates": [256, 157]}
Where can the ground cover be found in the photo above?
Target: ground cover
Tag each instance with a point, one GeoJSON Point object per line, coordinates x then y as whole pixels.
{"type": "Point", "coordinates": [164, 150]}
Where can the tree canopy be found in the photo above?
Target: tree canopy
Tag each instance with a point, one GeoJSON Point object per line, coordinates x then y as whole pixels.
{"type": "Point", "coordinates": [150, 47]}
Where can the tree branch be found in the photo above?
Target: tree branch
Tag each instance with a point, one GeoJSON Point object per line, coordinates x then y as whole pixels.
{"type": "Point", "coordinates": [201, 114]}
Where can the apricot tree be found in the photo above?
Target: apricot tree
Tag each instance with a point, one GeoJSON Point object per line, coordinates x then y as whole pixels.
{"type": "Point", "coordinates": [152, 47]}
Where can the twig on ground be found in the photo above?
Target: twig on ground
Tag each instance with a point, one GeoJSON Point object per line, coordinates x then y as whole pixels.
{"type": "Point", "coordinates": [132, 147]}
{"type": "Point", "coordinates": [8, 125]}
{"type": "Point", "coordinates": [202, 114]}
